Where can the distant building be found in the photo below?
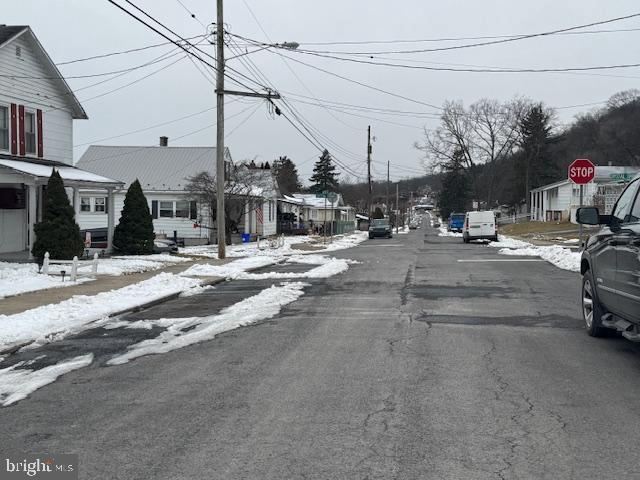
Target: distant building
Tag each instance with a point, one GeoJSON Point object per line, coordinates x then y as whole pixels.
{"type": "Point", "coordinates": [558, 201]}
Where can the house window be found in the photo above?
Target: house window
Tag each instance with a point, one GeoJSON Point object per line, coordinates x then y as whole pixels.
{"type": "Point", "coordinates": [4, 128]}
{"type": "Point", "coordinates": [85, 204]}
{"type": "Point", "coordinates": [182, 209]}
{"type": "Point", "coordinates": [30, 132]}
{"type": "Point", "coordinates": [166, 209]}
{"type": "Point", "coordinates": [99, 205]}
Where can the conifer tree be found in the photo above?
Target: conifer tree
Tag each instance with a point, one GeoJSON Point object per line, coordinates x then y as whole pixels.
{"type": "Point", "coordinates": [324, 176]}
{"type": "Point", "coordinates": [57, 233]}
{"type": "Point", "coordinates": [134, 233]}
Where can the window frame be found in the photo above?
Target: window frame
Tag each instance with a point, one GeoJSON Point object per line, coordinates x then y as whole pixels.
{"type": "Point", "coordinates": [7, 108]}
{"type": "Point", "coordinates": [165, 209]}
{"type": "Point", "coordinates": [32, 114]}
{"type": "Point", "coordinates": [82, 210]}
{"type": "Point", "coordinates": [186, 210]}
{"type": "Point", "coordinates": [633, 188]}
{"type": "Point", "coordinates": [103, 204]}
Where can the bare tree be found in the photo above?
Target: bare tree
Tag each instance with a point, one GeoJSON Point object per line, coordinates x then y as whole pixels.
{"type": "Point", "coordinates": [482, 134]}
{"type": "Point", "coordinates": [244, 191]}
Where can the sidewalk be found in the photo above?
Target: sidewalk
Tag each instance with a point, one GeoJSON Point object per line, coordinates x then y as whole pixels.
{"type": "Point", "coordinates": [103, 283]}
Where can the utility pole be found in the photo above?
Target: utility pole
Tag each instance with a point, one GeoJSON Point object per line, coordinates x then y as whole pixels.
{"type": "Point", "coordinates": [388, 165]}
{"type": "Point", "coordinates": [410, 205]}
{"type": "Point", "coordinates": [220, 93]}
{"type": "Point", "coordinates": [220, 220]}
{"type": "Point", "coordinates": [398, 208]}
{"type": "Point", "coordinates": [370, 201]}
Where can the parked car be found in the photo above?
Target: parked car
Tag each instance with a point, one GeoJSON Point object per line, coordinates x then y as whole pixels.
{"type": "Point", "coordinates": [456, 222]}
{"type": "Point", "coordinates": [380, 227]}
{"type": "Point", "coordinates": [164, 246]}
{"type": "Point", "coordinates": [479, 226]}
{"type": "Point", "coordinates": [610, 267]}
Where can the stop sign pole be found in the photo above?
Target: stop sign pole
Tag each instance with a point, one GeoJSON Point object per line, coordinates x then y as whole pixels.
{"type": "Point", "coordinates": [582, 172]}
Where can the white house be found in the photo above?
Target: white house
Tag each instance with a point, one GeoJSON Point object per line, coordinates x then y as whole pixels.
{"type": "Point", "coordinates": [37, 110]}
{"type": "Point", "coordinates": [313, 211]}
{"type": "Point", "coordinates": [558, 201]}
{"type": "Point", "coordinates": [163, 173]}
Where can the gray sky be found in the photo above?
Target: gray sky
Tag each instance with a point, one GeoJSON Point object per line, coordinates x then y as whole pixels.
{"type": "Point", "coordinates": [72, 29]}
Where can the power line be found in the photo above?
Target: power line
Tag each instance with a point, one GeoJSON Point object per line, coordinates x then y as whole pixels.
{"type": "Point", "coordinates": [193, 15]}
{"type": "Point", "coordinates": [122, 52]}
{"type": "Point", "coordinates": [491, 42]}
{"type": "Point", "coordinates": [452, 39]}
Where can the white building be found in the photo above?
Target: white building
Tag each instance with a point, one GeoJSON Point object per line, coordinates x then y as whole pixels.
{"type": "Point", "coordinates": [37, 110]}
{"type": "Point", "coordinates": [163, 173]}
{"type": "Point", "coordinates": [313, 211]}
{"type": "Point", "coordinates": [558, 201]}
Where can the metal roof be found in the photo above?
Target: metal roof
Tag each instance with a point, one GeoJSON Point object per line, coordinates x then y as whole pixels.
{"type": "Point", "coordinates": [157, 168]}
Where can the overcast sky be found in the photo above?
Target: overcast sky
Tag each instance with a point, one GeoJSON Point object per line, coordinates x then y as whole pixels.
{"type": "Point", "coordinates": [73, 29]}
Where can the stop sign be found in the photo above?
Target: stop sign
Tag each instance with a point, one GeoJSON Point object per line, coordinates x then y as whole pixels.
{"type": "Point", "coordinates": [582, 171]}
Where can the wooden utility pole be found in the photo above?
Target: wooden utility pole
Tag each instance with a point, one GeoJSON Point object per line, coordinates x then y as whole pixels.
{"type": "Point", "coordinates": [220, 217]}
{"type": "Point", "coordinates": [370, 201]}
{"type": "Point", "coordinates": [388, 166]}
{"type": "Point", "coordinates": [398, 208]}
{"type": "Point", "coordinates": [220, 93]}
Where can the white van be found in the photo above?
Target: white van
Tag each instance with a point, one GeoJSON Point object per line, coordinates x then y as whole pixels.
{"type": "Point", "coordinates": [480, 226]}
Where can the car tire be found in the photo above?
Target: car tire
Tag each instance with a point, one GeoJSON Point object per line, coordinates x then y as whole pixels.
{"type": "Point", "coordinates": [465, 239]}
{"type": "Point", "coordinates": [592, 310]}
{"type": "Point", "coordinates": [494, 238]}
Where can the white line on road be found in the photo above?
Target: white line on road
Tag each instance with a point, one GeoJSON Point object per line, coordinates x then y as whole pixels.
{"type": "Point", "coordinates": [480, 260]}
{"type": "Point", "coordinates": [382, 245]}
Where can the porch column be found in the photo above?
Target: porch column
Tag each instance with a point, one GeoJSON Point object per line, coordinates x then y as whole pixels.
{"type": "Point", "coordinates": [533, 205]}
{"type": "Point", "coordinates": [247, 222]}
{"type": "Point", "coordinates": [111, 213]}
{"type": "Point", "coordinates": [76, 201]}
{"type": "Point", "coordinates": [31, 217]}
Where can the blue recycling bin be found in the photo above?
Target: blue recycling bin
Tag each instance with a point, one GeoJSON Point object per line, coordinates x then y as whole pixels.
{"type": "Point", "coordinates": [246, 237]}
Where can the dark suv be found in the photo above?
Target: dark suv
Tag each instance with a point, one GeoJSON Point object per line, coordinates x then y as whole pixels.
{"type": "Point", "coordinates": [610, 267]}
{"type": "Point", "coordinates": [380, 227]}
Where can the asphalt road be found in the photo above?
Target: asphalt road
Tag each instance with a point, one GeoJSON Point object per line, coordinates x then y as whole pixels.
{"type": "Point", "coordinates": [430, 359]}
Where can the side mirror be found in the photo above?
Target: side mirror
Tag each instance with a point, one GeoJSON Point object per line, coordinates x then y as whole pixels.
{"type": "Point", "coordinates": [588, 216]}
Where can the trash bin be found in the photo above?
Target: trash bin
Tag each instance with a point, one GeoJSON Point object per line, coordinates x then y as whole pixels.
{"type": "Point", "coordinates": [246, 237]}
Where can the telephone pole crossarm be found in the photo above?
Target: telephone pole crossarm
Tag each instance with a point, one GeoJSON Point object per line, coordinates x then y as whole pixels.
{"type": "Point", "coordinates": [270, 95]}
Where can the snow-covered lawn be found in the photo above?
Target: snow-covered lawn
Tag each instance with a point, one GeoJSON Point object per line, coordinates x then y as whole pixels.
{"type": "Point", "coordinates": [17, 278]}
{"type": "Point", "coordinates": [339, 242]}
{"type": "Point", "coordinates": [54, 321]}
{"type": "Point", "coordinates": [231, 270]}
{"type": "Point", "coordinates": [557, 255]}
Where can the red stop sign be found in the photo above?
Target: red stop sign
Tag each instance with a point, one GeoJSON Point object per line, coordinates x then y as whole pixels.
{"type": "Point", "coordinates": [582, 171]}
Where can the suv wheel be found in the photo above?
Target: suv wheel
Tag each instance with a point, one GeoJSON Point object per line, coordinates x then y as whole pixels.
{"type": "Point", "coordinates": [592, 310]}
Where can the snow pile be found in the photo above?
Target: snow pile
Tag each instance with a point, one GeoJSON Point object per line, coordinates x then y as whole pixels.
{"type": "Point", "coordinates": [55, 321]}
{"type": "Point", "coordinates": [230, 270]}
{"type": "Point", "coordinates": [345, 241]}
{"type": "Point", "coordinates": [445, 233]}
{"type": "Point", "coordinates": [561, 257]}
{"type": "Point", "coordinates": [262, 306]}
{"type": "Point", "coordinates": [17, 278]}
{"type": "Point", "coordinates": [327, 267]}
{"type": "Point", "coordinates": [16, 383]}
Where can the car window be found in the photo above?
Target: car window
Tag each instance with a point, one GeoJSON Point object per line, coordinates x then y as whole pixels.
{"type": "Point", "coordinates": [634, 216]}
{"type": "Point", "coordinates": [622, 210]}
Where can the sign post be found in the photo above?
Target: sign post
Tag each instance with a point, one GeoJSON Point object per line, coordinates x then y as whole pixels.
{"type": "Point", "coordinates": [582, 172]}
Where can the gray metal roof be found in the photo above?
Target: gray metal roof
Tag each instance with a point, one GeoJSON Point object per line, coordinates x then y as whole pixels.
{"type": "Point", "coordinates": [157, 168]}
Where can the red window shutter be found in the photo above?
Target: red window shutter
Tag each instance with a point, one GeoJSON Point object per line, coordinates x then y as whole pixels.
{"type": "Point", "coordinates": [21, 144]}
{"type": "Point", "coordinates": [14, 129]}
{"type": "Point", "coordinates": [40, 145]}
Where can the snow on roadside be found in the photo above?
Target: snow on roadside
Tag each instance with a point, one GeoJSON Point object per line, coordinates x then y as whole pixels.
{"type": "Point", "coordinates": [17, 383]}
{"type": "Point", "coordinates": [17, 278]}
{"type": "Point", "coordinates": [229, 270]}
{"type": "Point", "coordinates": [445, 233]}
{"type": "Point", "coordinates": [262, 306]}
{"type": "Point", "coordinates": [561, 257]}
{"type": "Point", "coordinates": [54, 321]}
{"type": "Point", "coordinates": [328, 268]}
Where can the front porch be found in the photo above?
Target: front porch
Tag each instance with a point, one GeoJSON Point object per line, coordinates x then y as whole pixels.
{"type": "Point", "coordinates": [23, 184]}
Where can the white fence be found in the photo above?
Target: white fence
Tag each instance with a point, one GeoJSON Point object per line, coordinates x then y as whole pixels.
{"type": "Point", "coordinates": [74, 266]}
{"type": "Point", "coordinates": [510, 219]}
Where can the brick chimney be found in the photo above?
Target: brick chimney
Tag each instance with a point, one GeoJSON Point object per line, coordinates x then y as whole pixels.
{"type": "Point", "coordinates": [164, 141]}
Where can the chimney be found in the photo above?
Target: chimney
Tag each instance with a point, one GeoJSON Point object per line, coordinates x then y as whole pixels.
{"type": "Point", "coordinates": [164, 141]}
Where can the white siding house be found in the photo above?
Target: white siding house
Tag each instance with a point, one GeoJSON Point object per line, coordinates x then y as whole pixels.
{"type": "Point", "coordinates": [558, 201]}
{"type": "Point", "coordinates": [37, 110]}
{"type": "Point", "coordinates": [163, 173]}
